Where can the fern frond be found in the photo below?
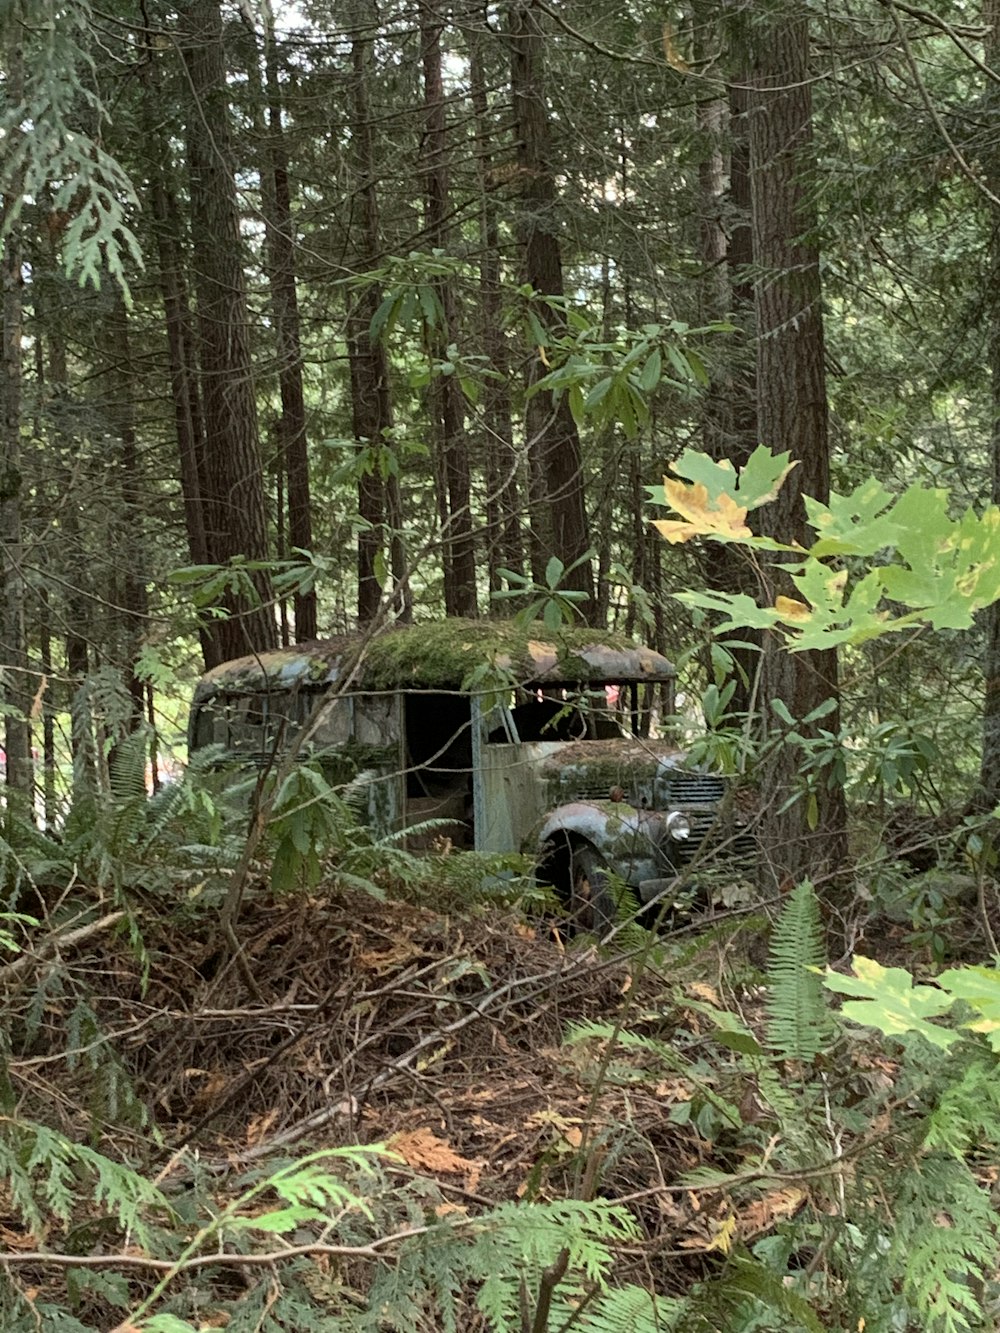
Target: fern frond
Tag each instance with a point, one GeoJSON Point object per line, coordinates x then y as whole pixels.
{"type": "Point", "coordinates": [425, 826]}
{"type": "Point", "coordinates": [967, 1113]}
{"type": "Point", "coordinates": [799, 1022]}
{"type": "Point", "coordinates": [948, 1256]}
{"type": "Point", "coordinates": [747, 1280]}
{"type": "Point", "coordinates": [504, 1254]}
{"type": "Point", "coordinates": [631, 1310]}
{"type": "Point", "coordinates": [42, 1173]}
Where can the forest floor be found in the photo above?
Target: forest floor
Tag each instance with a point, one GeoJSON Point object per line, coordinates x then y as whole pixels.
{"type": "Point", "coordinates": [497, 1061]}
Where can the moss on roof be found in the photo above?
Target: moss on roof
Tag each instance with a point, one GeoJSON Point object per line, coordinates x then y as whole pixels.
{"type": "Point", "coordinates": [444, 654]}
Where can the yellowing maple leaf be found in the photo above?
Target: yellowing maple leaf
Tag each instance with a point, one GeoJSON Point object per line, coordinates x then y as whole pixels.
{"type": "Point", "coordinates": [789, 608]}
{"type": "Point", "coordinates": [722, 518]}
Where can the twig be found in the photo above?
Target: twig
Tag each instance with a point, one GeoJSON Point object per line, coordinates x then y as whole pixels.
{"type": "Point", "coordinates": [54, 943]}
{"type": "Point", "coordinates": [529, 988]}
{"type": "Point", "coordinates": [374, 1250]}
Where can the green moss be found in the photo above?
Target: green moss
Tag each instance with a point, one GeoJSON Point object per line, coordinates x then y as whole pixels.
{"type": "Point", "coordinates": [479, 655]}
{"type": "Point", "coordinates": [444, 653]}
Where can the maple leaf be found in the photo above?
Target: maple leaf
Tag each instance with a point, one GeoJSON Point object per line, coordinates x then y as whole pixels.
{"type": "Point", "coordinates": [721, 518]}
{"type": "Point", "coordinates": [789, 608]}
{"type": "Point", "coordinates": [889, 1001]}
{"type": "Point", "coordinates": [979, 987]}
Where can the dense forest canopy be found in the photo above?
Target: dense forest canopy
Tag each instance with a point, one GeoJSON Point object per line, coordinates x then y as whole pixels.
{"type": "Point", "coordinates": [375, 312]}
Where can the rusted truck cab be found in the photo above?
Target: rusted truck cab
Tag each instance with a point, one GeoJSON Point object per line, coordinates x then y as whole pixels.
{"type": "Point", "coordinates": [510, 739]}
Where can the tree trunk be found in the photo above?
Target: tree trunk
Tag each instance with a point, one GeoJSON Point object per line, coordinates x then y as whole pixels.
{"type": "Point", "coordinates": [132, 556]}
{"type": "Point", "coordinates": [285, 307]}
{"type": "Point", "coordinates": [52, 389]}
{"type": "Point", "coordinates": [556, 503]}
{"type": "Point", "coordinates": [445, 393]}
{"type": "Point", "coordinates": [16, 683]}
{"type": "Point", "coordinates": [235, 512]}
{"type": "Point", "coordinates": [989, 775]}
{"type": "Point", "coordinates": [808, 838]}
{"type": "Point", "coordinates": [729, 414]}
{"type": "Point", "coordinates": [504, 544]}
{"type": "Point", "coordinates": [379, 502]}
{"type": "Point", "coordinates": [178, 322]}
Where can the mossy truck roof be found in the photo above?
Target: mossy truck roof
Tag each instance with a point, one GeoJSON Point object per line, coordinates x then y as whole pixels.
{"type": "Point", "coordinates": [442, 655]}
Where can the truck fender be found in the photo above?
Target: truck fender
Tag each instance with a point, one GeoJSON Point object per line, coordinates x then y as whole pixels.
{"type": "Point", "coordinates": [627, 840]}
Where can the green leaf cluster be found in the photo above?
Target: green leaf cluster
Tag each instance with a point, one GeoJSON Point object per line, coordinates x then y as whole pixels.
{"type": "Point", "coordinates": [918, 564]}
{"type": "Point", "coordinates": [89, 197]}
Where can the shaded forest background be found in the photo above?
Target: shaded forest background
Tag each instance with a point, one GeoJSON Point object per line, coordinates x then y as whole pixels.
{"type": "Point", "coordinates": [322, 315]}
{"type": "Point", "coordinates": [358, 312]}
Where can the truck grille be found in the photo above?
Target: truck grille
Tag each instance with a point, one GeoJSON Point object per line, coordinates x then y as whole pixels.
{"type": "Point", "coordinates": [677, 789]}
{"type": "Point", "coordinates": [686, 789]}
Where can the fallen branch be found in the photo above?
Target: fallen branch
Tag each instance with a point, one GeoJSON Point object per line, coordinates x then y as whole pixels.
{"type": "Point", "coordinates": [54, 944]}
{"type": "Point", "coordinates": [374, 1250]}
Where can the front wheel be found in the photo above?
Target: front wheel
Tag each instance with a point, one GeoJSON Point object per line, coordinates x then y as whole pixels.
{"type": "Point", "coordinates": [591, 900]}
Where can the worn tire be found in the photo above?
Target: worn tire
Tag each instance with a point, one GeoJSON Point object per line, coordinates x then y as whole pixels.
{"type": "Point", "coordinates": [592, 904]}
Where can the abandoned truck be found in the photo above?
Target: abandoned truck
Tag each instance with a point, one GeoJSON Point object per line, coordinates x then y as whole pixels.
{"type": "Point", "coordinates": [522, 740]}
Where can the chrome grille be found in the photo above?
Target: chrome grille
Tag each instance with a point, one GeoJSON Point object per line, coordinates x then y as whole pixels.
{"type": "Point", "coordinates": [686, 789]}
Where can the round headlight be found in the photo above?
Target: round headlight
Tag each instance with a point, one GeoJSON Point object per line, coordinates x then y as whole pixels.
{"type": "Point", "coordinates": [678, 826]}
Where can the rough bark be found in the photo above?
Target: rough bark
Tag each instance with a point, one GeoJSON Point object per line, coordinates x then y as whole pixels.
{"type": "Point", "coordinates": [504, 543]}
{"type": "Point", "coordinates": [132, 555]}
{"type": "Point", "coordinates": [235, 512]}
{"type": "Point", "coordinates": [792, 409]}
{"type": "Point", "coordinates": [281, 244]}
{"type": "Point", "coordinates": [729, 412]}
{"type": "Point", "coordinates": [178, 320]}
{"type": "Point", "coordinates": [379, 502]}
{"type": "Point", "coordinates": [16, 684]}
{"type": "Point", "coordinates": [989, 775]}
{"type": "Point", "coordinates": [555, 483]}
{"type": "Point", "coordinates": [445, 394]}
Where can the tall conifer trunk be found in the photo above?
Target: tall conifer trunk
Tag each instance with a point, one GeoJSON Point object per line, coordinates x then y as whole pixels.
{"type": "Point", "coordinates": [235, 512]}
{"type": "Point", "coordinates": [504, 545]}
{"type": "Point", "coordinates": [556, 502]}
{"type": "Point", "coordinates": [729, 414]}
{"type": "Point", "coordinates": [379, 501]}
{"type": "Point", "coordinates": [807, 838]}
{"type": "Point", "coordinates": [990, 763]}
{"type": "Point", "coordinates": [132, 554]}
{"type": "Point", "coordinates": [445, 392]}
{"type": "Point", "coordinates": [281, 246]}
{"type": "Point", "coordinates": [16, 685]}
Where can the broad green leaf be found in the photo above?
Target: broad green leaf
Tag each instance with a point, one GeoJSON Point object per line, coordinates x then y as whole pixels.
{"type": "Point", "coordinates": [679, 362]}
{"type": "Point", "coordinates": [979, 987]}
{"type": "Point", "coordinates": [651, 371]}
{"type": "Point", "coordinates": [538, 334]}
{"type": "Point", "coordinates": [598, 393]}
{"type": "Point", "coordinates": [380, 569]}
{"type": "Point", "coordinates": [757, 483]}
{"type": "Point", "coordinates": [383, 318]}
{"type": "Point", "coordinates": [854, 524]}
{"type": "Point", "coordinates": [889, 1001]}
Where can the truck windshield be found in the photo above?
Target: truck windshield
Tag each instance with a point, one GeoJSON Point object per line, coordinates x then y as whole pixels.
{"type": "Point", "coordinates": [561, 715]}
